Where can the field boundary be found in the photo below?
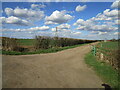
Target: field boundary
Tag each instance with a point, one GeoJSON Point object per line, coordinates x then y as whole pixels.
{"type": "Point", "coordinates": [106, 55]}
{"type": "Point", "coordinates": [50, 50]}
{"type": "Point", "coordinates": [41, 44]}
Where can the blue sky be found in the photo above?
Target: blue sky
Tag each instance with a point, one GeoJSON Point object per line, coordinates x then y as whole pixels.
{"type": "Point", "coordinates": [84, 20]}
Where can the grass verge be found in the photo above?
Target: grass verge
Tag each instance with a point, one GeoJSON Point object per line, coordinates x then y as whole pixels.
{"type": "Point", "coordinates": [105, 71]}
{"type": "Point", "coordinates": [50, 50]}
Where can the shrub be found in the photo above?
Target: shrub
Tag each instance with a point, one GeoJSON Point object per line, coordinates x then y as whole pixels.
{"type": "Point", "coordinates": [43, 42]}
{"type": "Point", "coordinates": [9, 44]}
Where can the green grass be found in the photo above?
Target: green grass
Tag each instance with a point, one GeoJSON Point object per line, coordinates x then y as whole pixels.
{"type": "Point", "coordinates": [50, 50]}
{"type": "Point", "coordinates": [110, 45]}
{"type": "Point", "coordinates": [105, 71]}
{"type": "Point", "coordinates": [26, 42]}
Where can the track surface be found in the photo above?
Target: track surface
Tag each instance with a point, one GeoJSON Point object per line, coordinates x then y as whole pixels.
{"type": "Point", "coordinates": [64, 69]}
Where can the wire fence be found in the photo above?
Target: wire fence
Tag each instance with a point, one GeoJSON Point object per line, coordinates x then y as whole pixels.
{"type": "Point", "coordinates": [107, 55]}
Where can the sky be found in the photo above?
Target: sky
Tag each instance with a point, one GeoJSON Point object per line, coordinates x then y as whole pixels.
{"type": "Point", "coordinates": [82, 20]}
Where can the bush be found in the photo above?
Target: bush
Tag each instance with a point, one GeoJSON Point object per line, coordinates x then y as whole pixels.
{"type": "Point", "coordinates": [10, 44]}
{"type": "Point", "coordinates": [43, 42]}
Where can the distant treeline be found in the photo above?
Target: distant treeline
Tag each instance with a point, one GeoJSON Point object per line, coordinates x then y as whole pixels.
{"type": "Point", "coordinates": [41, 42]}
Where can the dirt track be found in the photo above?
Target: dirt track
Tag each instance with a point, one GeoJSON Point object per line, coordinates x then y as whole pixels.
{"type": "Point", "coordinates": [64, 69]}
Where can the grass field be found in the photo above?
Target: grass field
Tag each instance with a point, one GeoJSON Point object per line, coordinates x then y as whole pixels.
{"type": "Point", "coordinates": [26, 42]}
{"type": "Point", "coordinates": [110, 45]}
{"type": "Point", "coordinates": [105, 71]}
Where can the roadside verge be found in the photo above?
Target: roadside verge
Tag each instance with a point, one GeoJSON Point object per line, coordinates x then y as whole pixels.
{"type": "Point", "coordinates": [105, 71]}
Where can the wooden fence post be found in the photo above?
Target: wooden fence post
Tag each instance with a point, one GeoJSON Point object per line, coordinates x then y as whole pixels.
{"type": "Point", "coordinates": [101, 56]}
{"type": "Point", "coordinates": [94, 50]}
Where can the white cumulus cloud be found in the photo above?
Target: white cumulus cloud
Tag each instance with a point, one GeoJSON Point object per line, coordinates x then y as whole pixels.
{"type": "Point", "coordinates": [77, 33]}
{"type": "Point", "coordinates": [107, 15]}
{"type": "Point", "coordinates": [104, 21]}
{"type": "Point", "coordinates": [38, 6]}
{"type": "Point", "coordinates": [94, 27]}
{"type": "Point", "coordinates": [40, 28]}
{"type": "Point", "coordinates": [117, 33]}
{"type": "Point", "coordinates": [58, 17]}
{"type": "Point", "coordinates": [116, 4]}
{"type": "Point", "coordinates": [14, 20]}
{"type": "Point", "coordinates": [25, 13]}
{"type": "Point", "coordinates": [91, 25]}
{"type": "Point", "coordinates": [63, 26]}
{"type": "Point", "coordinates": [102, 33]}
{"type": "Point", "coordinates": [80, 8]}
{"type": "Point", "coordinates": [9, 11]}
{"type": "Point", "coordinates": [81, 22]}
{"type": "Point", "coordinates": [49, 23]}
{"type": "Point", "coordinates": [32, 29]}
{"type": "Point", "coordinates": [111, 13]}
{"type": "Point", "coordinates": [117, 22]}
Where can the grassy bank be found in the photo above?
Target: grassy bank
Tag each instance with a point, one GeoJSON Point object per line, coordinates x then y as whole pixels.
{"type": "Point", "coordinates": [105, 71]}
{"type": "Point", "coordinates": [50, 50]}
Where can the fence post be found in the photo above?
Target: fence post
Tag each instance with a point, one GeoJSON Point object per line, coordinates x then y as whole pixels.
{"type": "Point", "coordinates": [101, 56]}
{"type": "Point", "coordinates": [101, 44]}
{"type": "Point", "coordinates": [94, 50]}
